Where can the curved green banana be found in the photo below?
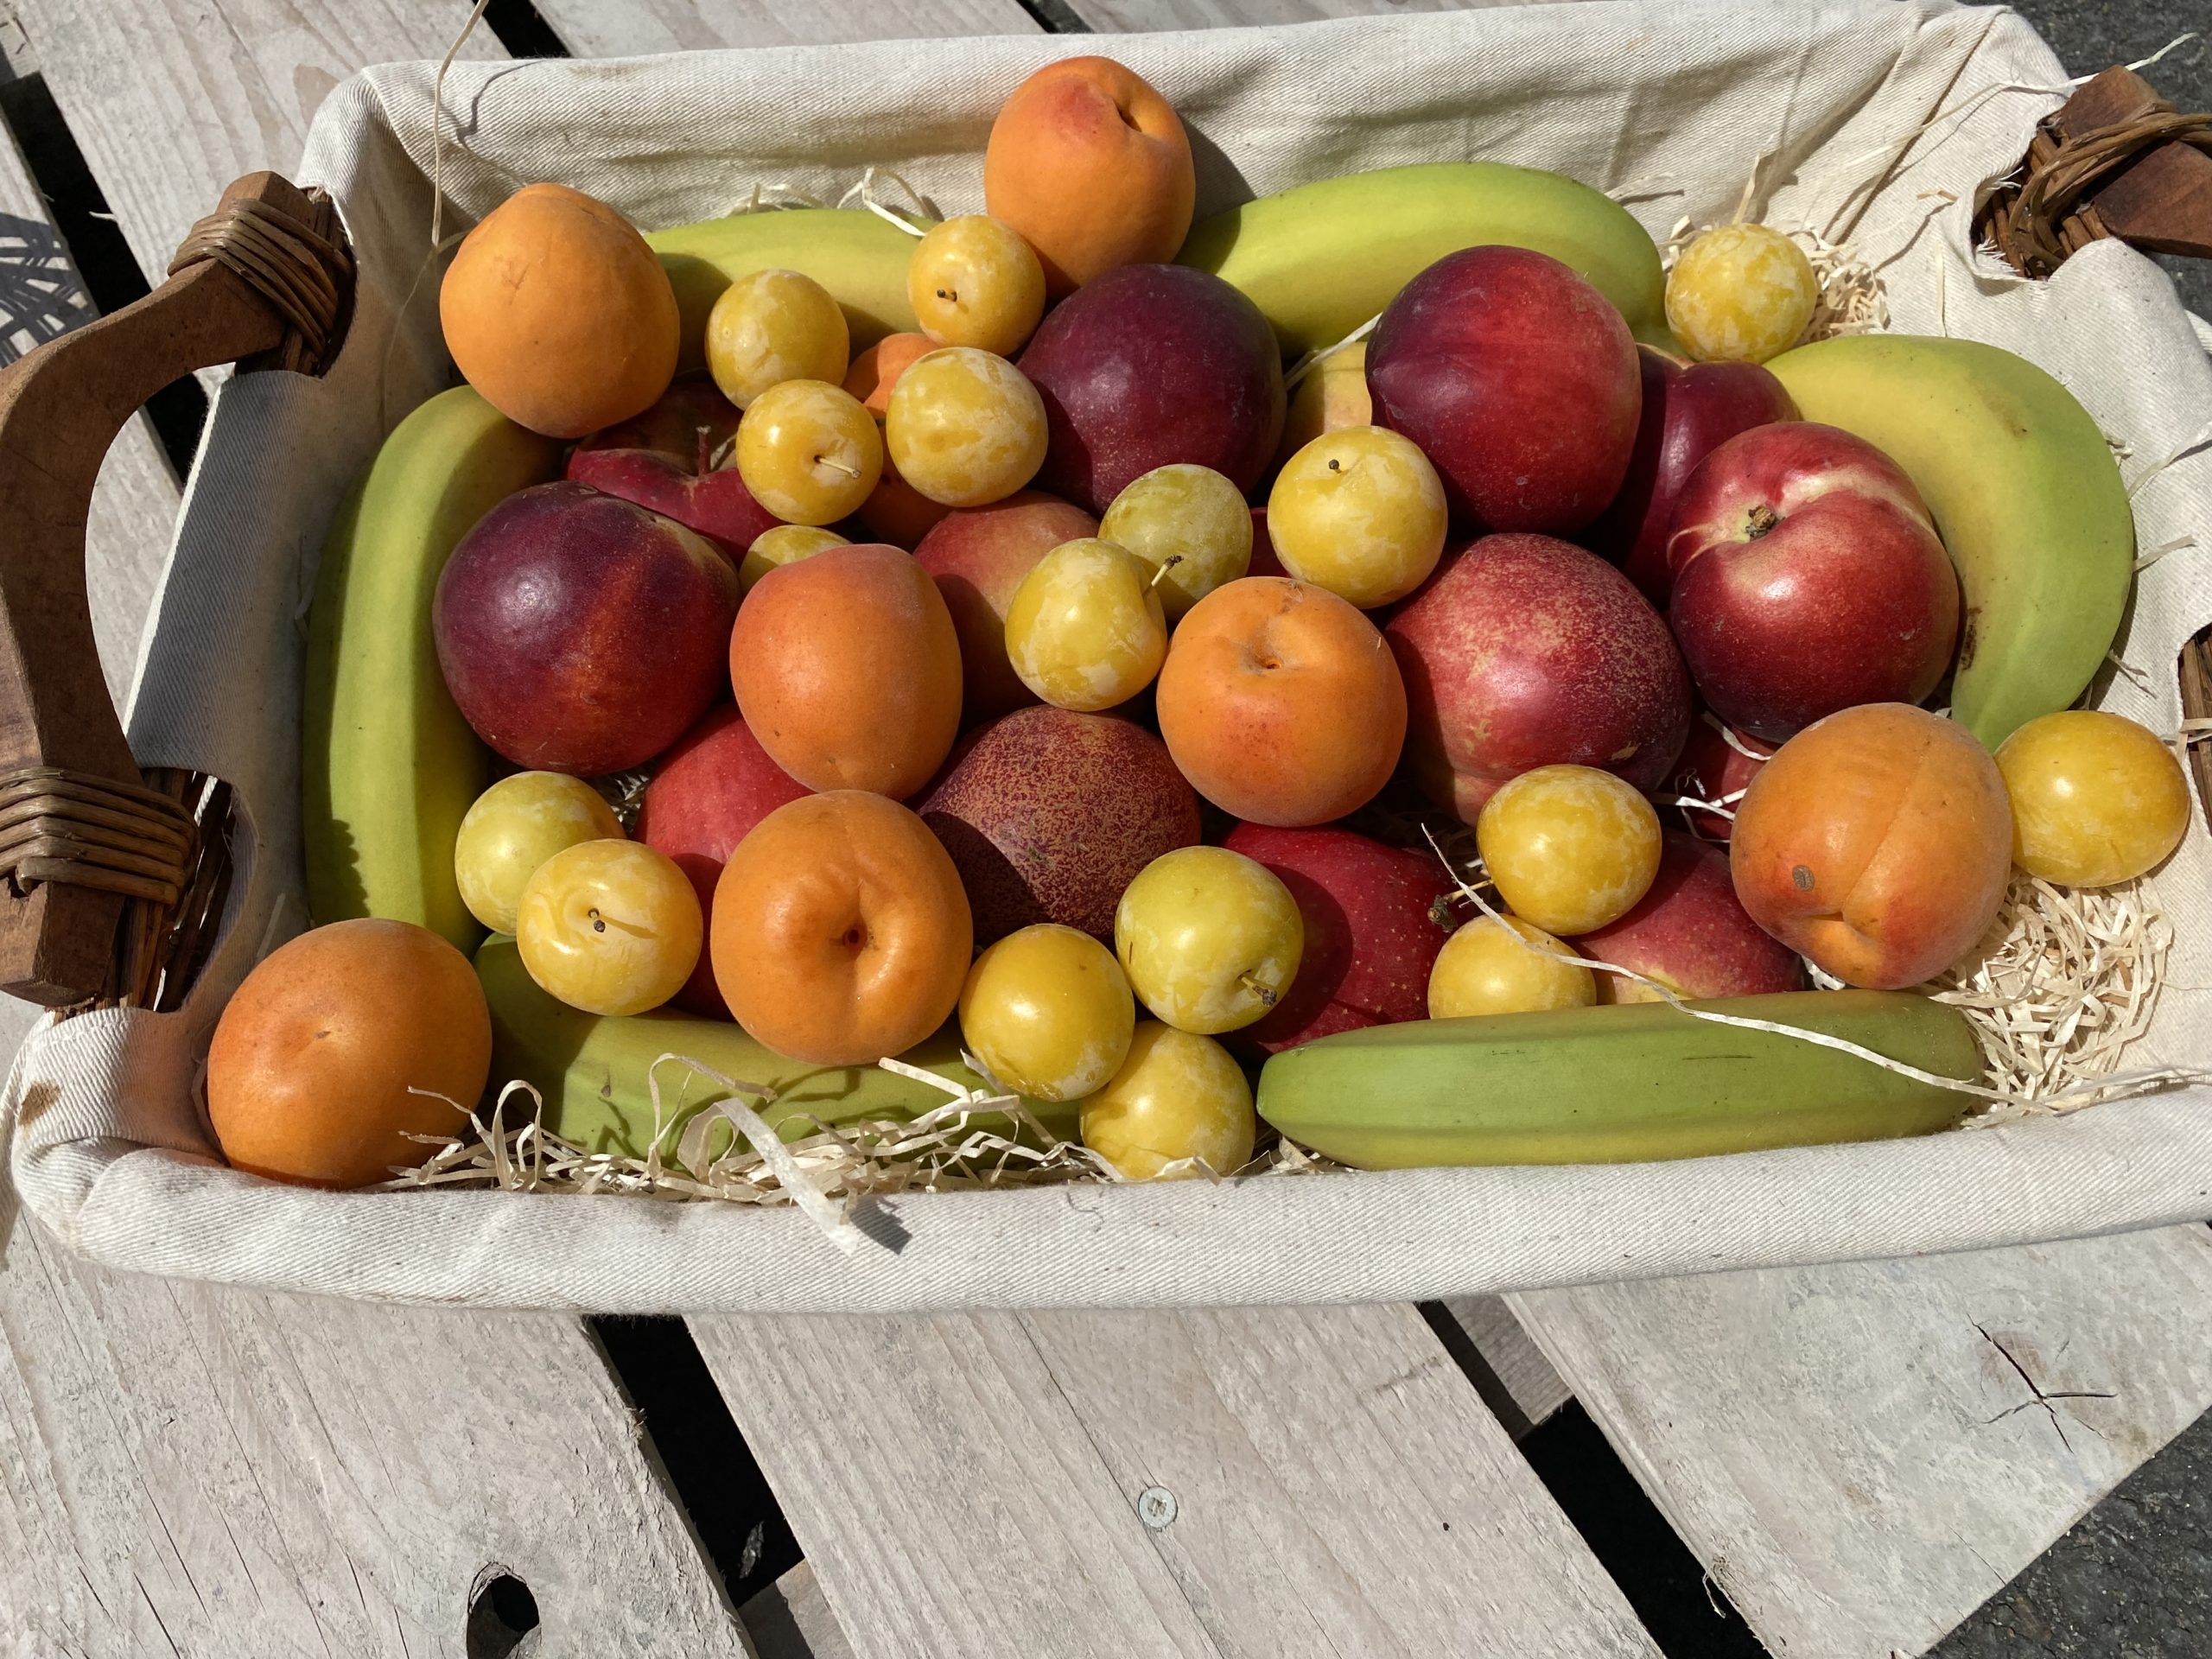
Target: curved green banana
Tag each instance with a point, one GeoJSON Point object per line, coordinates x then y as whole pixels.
{"type": "Point", "coordinates": [1620, 1084]}
{"type": "Point", "coordinates": [858, 256]}
{"type": "Point", "coordinates": [592, 1070]}
{"type": "Point", "coordinates": [1320, 260]}
{"type": "Point", "coordinates": [387, 764]}
{"type": "Point", "coordinates": [2025, 494]}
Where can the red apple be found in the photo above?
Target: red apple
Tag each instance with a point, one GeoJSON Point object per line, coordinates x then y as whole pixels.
{"type": "Point", "coordinates": [1522, 651]}
{"type": "Point", "coordinates": [1049, 814]}
{"type": "Point", "coordinates": [978, 557]}
{"type": "Point", "coordinates": [1691, 934]}
{"type": "Point", "coordinates": [1689, 409]}
{"type": "Point", "coordinates": [664, 459]}
{"type": "Point", "coordinates": [1372, 931]}
{"type": "Point", "coordinates": [1718, 762]}
{"type": "Point", "coordinates": [579, 633]}
{"type": "Point", "coordinates": [1150, 364]}
{"type": "Point", "coordinates": [1517, 380]}
{"type": "Point", "coordinates": [1808, 578]}
{"type": "Point", "coordinates": [706, 795]}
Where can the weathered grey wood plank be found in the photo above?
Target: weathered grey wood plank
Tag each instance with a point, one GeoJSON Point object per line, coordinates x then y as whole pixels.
{"type": "Point", "coordinates": [791, 1619]}
{"type": "Point", "coordinates": [611, 29]}
{"type": "Point", "coordinates": [170, 103]}
{"type": "Point", "coordinates": [1336, 1486]}
{"type": "Point", "coordinates": [134, 504]}
{"type": "Point", "coordinates": [1125, 16]}
{"type": "Point", "coordinates": [210, 1473]}
{"type": "Point", "coordinates": [1859, 1454]}
{"type": "Point", "coordinates": [1521, 1387]}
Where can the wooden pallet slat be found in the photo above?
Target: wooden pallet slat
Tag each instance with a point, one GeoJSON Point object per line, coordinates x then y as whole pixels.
{"type": "Point", "coordinates": [1264, 1483]}
{"type": "Point", "coordinates": [615, 28]}
{"type": "Point", "coordinates": [1862, 1454]}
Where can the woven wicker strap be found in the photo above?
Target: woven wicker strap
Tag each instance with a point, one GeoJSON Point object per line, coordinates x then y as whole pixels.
{"type": "Point", "coordinates": [84, 831]}
{"type": "Point", "coordinates": [2061, 174]}
{"type": "Point", "coordinates": [303, 274]}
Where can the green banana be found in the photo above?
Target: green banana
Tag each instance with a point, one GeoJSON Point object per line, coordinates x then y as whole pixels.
{"type": "Point", "coordinates": [592, 1070]}
{"type": "Point", "coordinates": [858, 256]}
{"type": "Point", "coordinates": [1319, 259]}
{"type": "Point", "coordinates": [2025, 494]}
{"type": "Point", "coordinates": [387, 764]}
{"type": "Point", "coordinates": [1620, 1084]}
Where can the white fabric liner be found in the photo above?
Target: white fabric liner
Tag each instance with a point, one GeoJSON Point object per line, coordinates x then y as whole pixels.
{"type": "Point", "coordinates": [1666, 105]}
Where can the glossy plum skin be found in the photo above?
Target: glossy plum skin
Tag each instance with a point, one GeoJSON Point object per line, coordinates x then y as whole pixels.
{"type": "Point", "coordinates": [1808, 578]}
{"type": "Point", "coordinates": [579, 633]}
{"type": "Point", "coordinates": [1690, 932]}
{"type": "Point", "coordinates": [705, 796]}
{"type": "Point", "coordinates": [1049, 814]}
{"type": "Point", "coordinates": [1522, 651]}
{"type": "Point", "coordinates": [1373, 929]}
{"type": "Point", "coordinates": [663, 459]}
{"type": "Point", "coordinates": [1151, 364]}
{"type": "Point", "coordinates": [1689, 410]}
{"type": "Point", "coordinates": [1519, 382]}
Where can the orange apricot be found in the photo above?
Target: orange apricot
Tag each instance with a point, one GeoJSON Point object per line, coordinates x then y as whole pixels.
{"type": "Point", "coordinates": [557, 311]}
{"type": "Point", "coordinates": [847, 670]}
{"type": "Point", "coordinates": [841, 931]}
{"type": "Point", "coordinates": [309, 1074]}
{"type": "Point", "coordinates": [1877, 843]}
{"type": "Point", "coordinates": [1092, 167]}
{"type": "Point", "coordinates": [1280, 702]}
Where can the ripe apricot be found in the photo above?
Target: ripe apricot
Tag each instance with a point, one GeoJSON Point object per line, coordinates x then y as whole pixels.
{"type": "Point", "coordinates": [841, 933]}
{"type": "Point", "coordinates": [557, 311]}
{"type": "Point", "coordinates": [1878, 842]}
{"type": "Point", "coordinates": [1280, 702]}
{"type": "Point", "coordinates": [309, 1071]}
{"type": "Point", "coordinates": [847, 670]}
{"type": "Point", "coordinates": [1092, 167]}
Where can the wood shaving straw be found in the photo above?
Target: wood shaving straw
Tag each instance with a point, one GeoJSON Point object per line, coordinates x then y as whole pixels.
{"type": "Point", "coordinates": [2060, 987]}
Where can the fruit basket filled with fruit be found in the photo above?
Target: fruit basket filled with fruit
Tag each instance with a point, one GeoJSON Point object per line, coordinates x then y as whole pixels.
{"type": "Point", "coordinates": [1524, 663]}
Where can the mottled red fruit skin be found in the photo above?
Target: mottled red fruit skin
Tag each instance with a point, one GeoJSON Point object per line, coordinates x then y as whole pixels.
{"type": "Point", "coordinates": [1808, 578]}
{"type": "Point", "coordinates": [660, 460]}
{"type": "Point", "coordinates": [1151, 364]}
{"type": "Point", "coordinates": [1517, 380]}
{"type": "Point", "coordinates": [705, 796]}
{"type": "Point", "coordinates": [579, 633]}
{"type": "Point", "coordinates": [1690, 932]}
{"type": "Point", "coordinates": [1049, 814]}
{"type": "Point", "coordinates": [1711, 769]}
{"type": "Point", "coordinates": [1371, 930]}
{"type": "Point", "coordinates": [1689, 410]}
{"type": "Point", "coordinates": [1523, 651]}
{"type": "Point", "coordinates": [978, 557]}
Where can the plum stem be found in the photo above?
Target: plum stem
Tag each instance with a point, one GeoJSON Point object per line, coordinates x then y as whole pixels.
{"type": "Point", "coordinates": [1166, 565]}
{"type": "Point", "coordinates": [839, 465]}
{"type": "Point", "coordinates": [1265, 993]}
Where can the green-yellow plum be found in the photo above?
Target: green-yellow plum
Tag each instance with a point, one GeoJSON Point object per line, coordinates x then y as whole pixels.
{"type": "Point", "coordinates": [1085, 629]}
{"type": "Point", "coordinates": [1048, 1011]}
{"type": "Point", "coordinates": [1191, 515]}
{"type": "Point", "coordinates": [609, 926]}
{"type": "Point", "coordinates": [974, 282]}
{"type": "Point", "coordinates": [1361, 512]}
{"type": "Point", "coordinates": [965, 427]}
{"type": "Point", "coordinates": [1210, 939]}
{"type": "Point", "coordinates": [1570, 848]}
{"type": "Point", "coordinates": [1179, 1108]}
{"type": "Point", "coordinates": [2096, 797]}
{"type": "Point", "coordinates": [809, 451]}
{"type": "Point", "coordinates": [785, 544]}
{"type": "Point", "coordinates": [1494, 966]}
{"type": "Point", "coordinates": [514, 827]}
{"type": "Point", "coordinates": [773, 325]}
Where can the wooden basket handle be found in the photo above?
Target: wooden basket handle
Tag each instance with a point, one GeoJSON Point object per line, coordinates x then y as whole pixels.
{"type": "Point", "coordinates": [263, 281]}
